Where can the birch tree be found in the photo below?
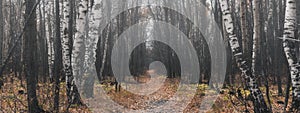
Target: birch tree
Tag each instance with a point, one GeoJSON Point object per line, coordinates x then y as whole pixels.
{"type": "Point", "coordinates": [66, 43]}
{"type": "Point", "coordinates": [256, 36]}
{"type": "Point", "coordinates": [290, 50]}
{"type": "Point", "coordinates": [91, 45]}
{"type": "Point", "coordinates": [79, 44]}
{"type": "Point", "coordinates": [260, 105]}
{"type": "Point", "coordinates": [49, 36]}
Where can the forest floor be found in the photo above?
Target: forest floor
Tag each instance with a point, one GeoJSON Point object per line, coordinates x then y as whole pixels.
{"type": "Point", "coordinates": [13, 99]}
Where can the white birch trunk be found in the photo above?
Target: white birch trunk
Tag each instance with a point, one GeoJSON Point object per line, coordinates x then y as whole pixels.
{"type": "Point", "coordinates": [91, 46]}
{"type": "Point", "coordinates": [79, 42]}
{"type": "Point", "coordinates": [256, 35]}
{"type": "Point", "coordinates": [94, 22]}
{"type": "Point", "coordinates": [66, 44]}
{"type": "Point", "coordinates": [290, 50]}
{"type": "Point", "coordinates": [49, 36]}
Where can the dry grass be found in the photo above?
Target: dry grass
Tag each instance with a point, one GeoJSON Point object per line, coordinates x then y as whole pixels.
{"type": "Point", "coordinates": [13, 98]}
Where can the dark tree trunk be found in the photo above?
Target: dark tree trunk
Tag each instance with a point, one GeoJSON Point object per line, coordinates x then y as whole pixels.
{"type": "Point", "coordinates": [31, 57]}
{"type": "Point", "coordinates": [287, 92]}
{"type": "Point", "coordinates": [277, 46]}
{"type": "Point", "coordinates": [57, 57]}
{"type": "Point", "coordinates": [1, 40]}
{"type": "Point", "coordinates": [42, 46]}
